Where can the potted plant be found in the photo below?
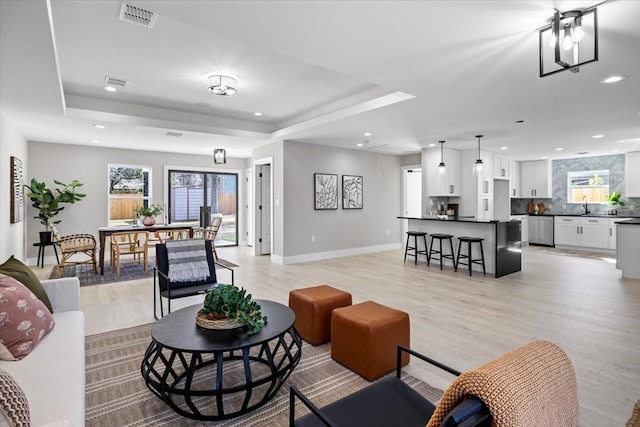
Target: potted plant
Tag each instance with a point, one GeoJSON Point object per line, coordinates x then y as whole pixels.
{"type": "Point", "coordinates": [148, 213]}
{"type": "Point", "coordinates": [614, 199]}
{"type": "Point", "coordinates": [48, 202]}
{"type": "Point", "coordinates": [228, 302]}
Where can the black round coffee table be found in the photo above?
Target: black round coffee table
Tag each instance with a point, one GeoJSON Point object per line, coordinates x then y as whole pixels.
{"type": "Point", "coordinates": [215, 375]}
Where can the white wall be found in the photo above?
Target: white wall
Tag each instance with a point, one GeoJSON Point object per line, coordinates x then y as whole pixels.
{"type": "Point", "coordinates": [89, 165]}
{"type": "Point", "coordinates": [12, 236]}
{"type": "Point", "coordinates": [339, 232]}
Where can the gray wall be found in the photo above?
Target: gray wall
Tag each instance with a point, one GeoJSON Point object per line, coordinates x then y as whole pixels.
{"type": "Point", "coordinates": [89, 165]}
{"type": "Point", "coordinates": [340, 229]}
{"type": "Point", "coordinates": [12, 236]}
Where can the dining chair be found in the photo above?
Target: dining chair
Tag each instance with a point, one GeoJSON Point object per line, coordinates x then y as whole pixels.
{"type": "Point", "coordinates": [134, 243]}
{"type": "Point", "coordinates": [75, 249]}
{"type": "Point", "coordinates": [211, 232]}
{"type": "Point", "coordinates": [163, 236]}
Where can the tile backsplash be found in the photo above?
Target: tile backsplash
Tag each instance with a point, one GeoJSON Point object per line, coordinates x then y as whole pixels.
{"type": "Point", "coordinates": [558, 204]}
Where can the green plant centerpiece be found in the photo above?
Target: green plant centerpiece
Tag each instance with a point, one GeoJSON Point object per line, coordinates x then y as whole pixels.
{"type": "Point", "coordinates": [614, 199]}
{"type": "Point", "coordinates": [235, 304]}
{"type": "Point", "coordinates": [49, 201]}
{"type": "Point", "coordinates": [152, 210]}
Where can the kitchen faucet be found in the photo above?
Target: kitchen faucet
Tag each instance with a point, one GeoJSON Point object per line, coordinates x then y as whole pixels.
{"type": "Point", "coordinates": [585, 205]}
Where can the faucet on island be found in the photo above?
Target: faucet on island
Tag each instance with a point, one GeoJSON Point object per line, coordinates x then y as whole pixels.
{"type": "Point", "coordinates": [585, 205]}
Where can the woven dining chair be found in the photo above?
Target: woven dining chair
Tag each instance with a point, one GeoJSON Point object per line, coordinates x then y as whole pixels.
{"type": "Point", "coordinates": [211, 232]}
{"type": "Point", "coordinates": [134, 243]}
{"type": "Point", "coordinates": [72, 246]}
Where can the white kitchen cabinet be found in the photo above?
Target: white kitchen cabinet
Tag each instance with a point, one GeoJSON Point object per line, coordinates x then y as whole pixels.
{"type": "Point", "coordinates": [501, 167]}
{"type": "Point", "coordinates": [585, 232]}
{"type": "Point", "coordinates": [632, 174]}
{"type": "Point", "coordinates": [524, 221]}
{"type": "Point", "coordinates": [613, 233]}
{"type": "Point", "coordinates": [514, 179]}
{"type": "Point", "coordinates": [449, 184]}
{"type": "Point", "coordinates": [541, 230]}
{"type": "Point", "coordinates": [484, 209]}
{"type": "Point", "coordinates": [535, 178]}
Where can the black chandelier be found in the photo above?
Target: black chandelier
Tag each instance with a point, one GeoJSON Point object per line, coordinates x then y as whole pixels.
{"type": "Point", "coordinates": [219, 156]}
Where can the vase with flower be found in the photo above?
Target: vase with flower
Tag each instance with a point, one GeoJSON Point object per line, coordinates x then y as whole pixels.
{"type": "Point", "coordinates": [147, 213]}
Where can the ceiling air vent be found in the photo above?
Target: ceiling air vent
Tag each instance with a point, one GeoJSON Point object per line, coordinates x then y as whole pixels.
{"type": "Point", "coordinates": [113, 81]}
{"type": "Point", "coordinates": [174, 134]}
{"type": "Point", "coordinates": [137, 15]}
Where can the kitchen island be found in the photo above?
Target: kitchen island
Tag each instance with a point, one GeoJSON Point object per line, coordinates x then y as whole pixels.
{"type": "Point", "coordinates": [502, 239]}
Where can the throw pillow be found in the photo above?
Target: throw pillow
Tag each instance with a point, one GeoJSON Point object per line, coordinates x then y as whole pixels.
{"type": "Point", "coordinates": [13, 403]}
{"type": "Point", "coordinates": [24, 319]}
{"type": "Point", "coordinates": [23, 274]}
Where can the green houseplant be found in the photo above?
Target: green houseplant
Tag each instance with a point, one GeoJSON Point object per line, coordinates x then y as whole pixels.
{"type": "Point", "coordinates": [233, 303]}
{"type": "Point", "coordinates": [614, 199]}
{"type": "Point", "coordinates": [49, 201]}
{"type": "Point", "coordinates": [148, 213]}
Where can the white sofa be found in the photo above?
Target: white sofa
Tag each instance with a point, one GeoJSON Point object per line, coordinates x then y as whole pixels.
{"type": "Point", "coordinates": [52, 376]}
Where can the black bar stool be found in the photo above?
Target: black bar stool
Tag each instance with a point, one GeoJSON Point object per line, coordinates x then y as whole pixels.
{"type": "Point", "coordinates": [415, 235]}
{"type": "Point", "coordinates": [432, 251]}
{"type": "Point", "coordinates": [469, 241]}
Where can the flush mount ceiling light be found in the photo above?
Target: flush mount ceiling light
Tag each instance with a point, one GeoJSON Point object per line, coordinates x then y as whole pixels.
{"type": "Point", "coordinates": [479, 164]}
{"type": "Point", "coordinates": [569, 41]}
{"type": "Point", "coordinates": [613, 79]}
{"type": "Point", "coordinates": [219, 156]}
{"type": "Point", "coordinates": [222, 85]}
{"type": "Point", "coordinates": [442, 168]}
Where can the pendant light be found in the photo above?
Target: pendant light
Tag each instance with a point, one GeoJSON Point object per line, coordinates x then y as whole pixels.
{"type": "Point", "coordinates": [479, 164]}
{"type": "Point", "coordinates": [442, 168]}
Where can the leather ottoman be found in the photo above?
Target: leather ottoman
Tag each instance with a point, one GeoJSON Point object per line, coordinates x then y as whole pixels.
{"type": "Point", "coordinates": [313, 307]}
{"type": "Point", "coordinates": [365, 338]}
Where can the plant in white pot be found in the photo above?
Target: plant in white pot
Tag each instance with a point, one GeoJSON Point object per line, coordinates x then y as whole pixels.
{"type": "Point", "coordinates": [614, 199]}
{"type": "Point", "coordinates": [148, 213]}
{"type": "Point", "coordinates": [49, 202]}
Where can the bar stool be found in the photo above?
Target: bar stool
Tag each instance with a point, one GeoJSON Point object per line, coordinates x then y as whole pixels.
{"type": "Point", "coordinates": [469, 241]}
{"type": "Point", "coordinates": [440, 238]}
{"type": "Point", "coordinates": [415, 235]}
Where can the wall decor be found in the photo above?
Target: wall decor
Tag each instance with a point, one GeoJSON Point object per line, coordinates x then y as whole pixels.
{"type": "Point", "coordinates": [351, 192]}
{"type": "Point", "coordinates": [326, 191]}
{"type": "Point", "coordinates": [17, 194]}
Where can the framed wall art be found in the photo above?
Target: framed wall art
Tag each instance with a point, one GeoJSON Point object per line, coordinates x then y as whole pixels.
{"type": "Point", "coordinates": [351, 192]}
{"type": "Point", "coordinates": [17, 192]}
{"type": "Point", "coordinates": [325, 191]}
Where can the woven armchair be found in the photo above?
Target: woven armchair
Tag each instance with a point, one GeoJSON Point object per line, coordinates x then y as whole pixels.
{"type": "Point", "coordinates": [74, 246]}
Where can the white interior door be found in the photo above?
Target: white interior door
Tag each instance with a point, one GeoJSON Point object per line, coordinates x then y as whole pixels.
{"type": "Point", "coordinates": [249, 190]}
{"type": "Point", "coordinates": [412, 199]}
{"type": "Point", "coordinates": [265, 209]}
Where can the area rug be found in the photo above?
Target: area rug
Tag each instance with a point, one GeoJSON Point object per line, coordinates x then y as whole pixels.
{"type": "Point", "coordinates": [116, 394]}
{"type": "Point", "coordinates": [128, 271]}
{"type": "Point", "coordinates": [634, 421]}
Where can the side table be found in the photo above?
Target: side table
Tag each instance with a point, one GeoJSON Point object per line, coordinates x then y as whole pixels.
{"type": "Point", "coordinates": [41, 247]}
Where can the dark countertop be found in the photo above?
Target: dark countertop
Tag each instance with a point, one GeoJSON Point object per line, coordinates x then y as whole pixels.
{"type": "Point", "coordinates": [629, 221]}
{"type": "Point", "coordinates": [581, 215]}
{"type": "Point", "coordinates": [452, 219]}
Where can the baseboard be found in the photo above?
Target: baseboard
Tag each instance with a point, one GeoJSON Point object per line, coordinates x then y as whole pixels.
{"type": "Point", "coordinates": [317, 256]}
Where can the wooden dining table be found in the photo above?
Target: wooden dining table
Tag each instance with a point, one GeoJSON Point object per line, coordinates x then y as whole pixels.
{"type": "Point", "coordinates": [105, 232]}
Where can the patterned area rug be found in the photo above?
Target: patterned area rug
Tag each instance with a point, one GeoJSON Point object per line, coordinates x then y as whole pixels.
{"type": "Point", "coordinates": [128, 271]}
{"type": "Point", "coordinates": [634, 421]}
{"type": "Point", "coordinates": [117, 395]}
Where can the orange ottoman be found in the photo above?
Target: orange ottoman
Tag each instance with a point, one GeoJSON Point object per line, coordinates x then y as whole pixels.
{"type": "Point", "coordinates": [365, 338]}
{"type": "Point", "coordinates": [313, 307]}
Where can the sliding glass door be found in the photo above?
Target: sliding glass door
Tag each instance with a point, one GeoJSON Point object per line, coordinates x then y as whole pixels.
{"type": "Point", "coordinates": [217, 193]}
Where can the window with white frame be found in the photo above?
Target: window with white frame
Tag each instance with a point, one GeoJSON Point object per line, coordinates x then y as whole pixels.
{"type": "Point", "coordinates": [129, 188]}
{"type": "Point", "coordinates": [592, 185]}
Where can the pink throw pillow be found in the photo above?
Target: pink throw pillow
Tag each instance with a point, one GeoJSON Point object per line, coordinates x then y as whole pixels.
{"type": "Point", "coordinates": [24, 319]}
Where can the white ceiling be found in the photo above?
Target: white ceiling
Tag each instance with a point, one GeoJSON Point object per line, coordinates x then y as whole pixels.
{"type": "Point", "coordinates": [322, 72]}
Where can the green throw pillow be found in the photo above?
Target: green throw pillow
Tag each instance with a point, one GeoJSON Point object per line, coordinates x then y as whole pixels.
{"type": "Point", "coordinates": [23, 274]}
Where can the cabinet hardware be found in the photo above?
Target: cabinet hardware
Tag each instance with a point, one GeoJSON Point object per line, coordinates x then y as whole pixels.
{"type": "Point", "coordinates": [486, 204]}
{"type": "Point", "coordinates": [610, 231]}
{"type": "Point", "coordinates": [577, 229]}
{"type": "Point", "coordinates": [592, 220]}
{"type": "Point", "coordinates": [486, 186]}
{"type": "Point", "coordinates": [451, 189]}
{"type": "Point", "coordinates": [514, 191]}
{"type": "Point", "coordinates": [503, 172]}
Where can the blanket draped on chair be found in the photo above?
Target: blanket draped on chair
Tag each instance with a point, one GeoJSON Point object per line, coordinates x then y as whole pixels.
{"type": "Point", "coordinates": [187, 260]}
{"type": "Point", "coordinates": [534, 385]}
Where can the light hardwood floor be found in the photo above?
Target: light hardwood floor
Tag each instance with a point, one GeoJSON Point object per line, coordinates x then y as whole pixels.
{"type": "Point", "coordinates": [581, 304]}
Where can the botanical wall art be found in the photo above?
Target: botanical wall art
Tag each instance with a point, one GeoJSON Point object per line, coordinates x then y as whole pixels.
{"type": "Point", "coordinates": [17, 195]}
{"type": "Point", "coordinates": [351, 192]}
{"type": "Point", "coordinates": [326, 191]}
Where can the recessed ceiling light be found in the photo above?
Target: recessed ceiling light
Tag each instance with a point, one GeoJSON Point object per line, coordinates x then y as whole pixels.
{"type": "Point", "coordinates": [613, 79]}
{"type": "Point", "coordinates": [257, 113]}
{"type": "Point", "coordinates": [359, 144]}
{"type": "Point", "coordinates": [99, 126]}
{"type": "Point", "coordinates": [559, 148]}
{"type": "Point", "coordinates": [598, 136]}
{"type": "Point", "coordinates": [110, 89]}
{"type": "Point", "coordinates": [504, 148]}
{"type": "Point", "coordinates": [95, 141]}
{"type": "Point", "coordinates": [367, 134]}
{"type": "Point", "coordinates": [432, 145]}
{"type": "Point", "coordinates": [544, 157]}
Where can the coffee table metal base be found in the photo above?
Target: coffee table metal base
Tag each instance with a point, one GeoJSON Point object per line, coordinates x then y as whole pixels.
{"type": "Point", "coordinates": [173, 376]}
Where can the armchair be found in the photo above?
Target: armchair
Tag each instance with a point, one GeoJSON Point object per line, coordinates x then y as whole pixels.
{"type": "Point", "coordinates": [72, 246]}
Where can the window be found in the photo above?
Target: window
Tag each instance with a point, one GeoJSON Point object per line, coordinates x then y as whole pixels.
{"type": "Point", "coordinates": [191, 190]}
{"type": "Point", "coordinates": [594, 185]}
{"type": "Point", "coordinates": [129, 188]}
